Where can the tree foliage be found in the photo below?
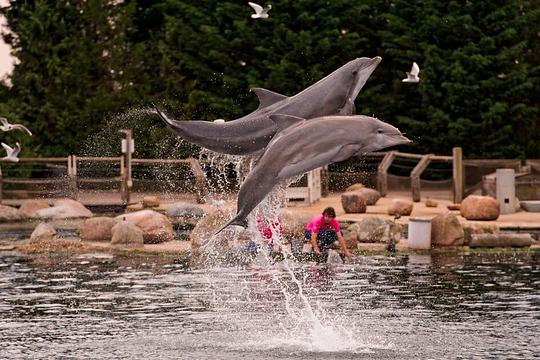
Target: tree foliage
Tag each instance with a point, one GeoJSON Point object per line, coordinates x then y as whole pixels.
{"type": "Point", "coordinates": [84, 65]}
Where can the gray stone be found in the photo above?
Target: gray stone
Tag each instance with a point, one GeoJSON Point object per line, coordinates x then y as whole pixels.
{"type": "Point", "coordinates": [374, 229]}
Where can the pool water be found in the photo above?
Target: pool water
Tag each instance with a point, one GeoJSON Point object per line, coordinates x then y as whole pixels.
{"type": "Point", "coordinates": [439, 306]}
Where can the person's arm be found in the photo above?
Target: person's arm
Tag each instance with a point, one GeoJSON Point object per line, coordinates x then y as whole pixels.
{"type": "Point", "coordinates": [343, 246]}
{"type": "Point", "coordinates": [314, 243]}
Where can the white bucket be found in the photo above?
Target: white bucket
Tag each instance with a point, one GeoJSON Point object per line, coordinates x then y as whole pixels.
{"type": "Point", "coordinates": [419, 233]}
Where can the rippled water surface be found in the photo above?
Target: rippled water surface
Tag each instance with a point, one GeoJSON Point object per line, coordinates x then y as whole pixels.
{"type": "Point", "coordinates": [403, 307]}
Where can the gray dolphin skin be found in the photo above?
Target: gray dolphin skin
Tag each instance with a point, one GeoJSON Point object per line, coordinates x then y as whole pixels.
{"type": "Point", "coordinates": [307, 146]}
{"type": "Point", "coordinates": [332, 95]}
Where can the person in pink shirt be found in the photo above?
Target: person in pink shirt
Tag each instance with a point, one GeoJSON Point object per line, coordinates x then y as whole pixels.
{"type": "Point", "coordinates": [323, 230]}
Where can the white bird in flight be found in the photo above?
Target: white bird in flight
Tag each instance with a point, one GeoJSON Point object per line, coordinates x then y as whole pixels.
{"type": "Point", "coordinates": [6, 126]}
{"type": "Point", "coordinates": [12, 153]}
{"type": "Point", "coordinates": [412, 76]}
{"type": "Point", "coordinates": [260, 12]}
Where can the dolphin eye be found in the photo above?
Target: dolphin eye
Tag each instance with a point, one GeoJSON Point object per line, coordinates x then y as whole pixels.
{"type": "Point", "coordinates": [380, 131]}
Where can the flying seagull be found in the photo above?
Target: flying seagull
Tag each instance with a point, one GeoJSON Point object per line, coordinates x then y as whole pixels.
{"type": "Point", "coordinates": [12, 153]}
{"type": "Point", "coordinates": [412, 76]}
{"type": "Point", "coordinates": [6, 126]}
{"type": "Point", "coordinates": [260, 12]}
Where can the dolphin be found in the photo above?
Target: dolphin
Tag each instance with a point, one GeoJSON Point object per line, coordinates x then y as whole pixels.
{"type": "Point", "coordinates": [332, 95]}
{"type": "Point", "coordinates": [307, 145]}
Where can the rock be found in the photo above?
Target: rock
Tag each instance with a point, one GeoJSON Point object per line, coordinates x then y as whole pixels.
{"type": "Point", "coordinates": [125, 233]}
{"type": "Point", "coordinates": [501, 240]}
{"type": "Point", "coordinates": [206, 228]}
{"type": "Point", "coordinates": [453, 207]}
{"type": "Point", "coordinates": [9, 213]}
{"type": "Point", "coordinates": [353, 202]}
{"type": "Point", "coordinates": [355, 187]}
{"type": "Point", "coordinates": [375, 229]}
{"type": "Point", "coordinates": [150, 202]}
{"type": "Point", "coordinates": [446, 230]}
{"type": "Point", "coordinates": [29, 208]}
{"type": "Point", "coordinates": [43, 232]}
{"type": "Point", "coordinates": [476, 207]}
{"type": "Point", "coordinates": [64, 209]}
{"type": "Point", "coordinates": [156, 227]}
{"type": "Point", "coordinates": [370, 196]}
{"type": "Point", "coordinates": [96, 229]}
{"type": "Point", "coordinates": [431, 203]}
{"type": "Point", "coordinates": [400, 207]}
{"type": "Point", "coordinates": [184, 212]}
{"type": "Point", "coordinates": [472, 228]}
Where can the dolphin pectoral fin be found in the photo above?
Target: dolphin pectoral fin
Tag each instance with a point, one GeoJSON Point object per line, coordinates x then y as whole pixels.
{"type": "Point", "coordinates": [283, 121]}
{"type": "Point", "coordinates": [347, 109]}
{"type": "Point", "coordinates": [267, 97]}
{"type": "Point", "coordinates": [235, 221]}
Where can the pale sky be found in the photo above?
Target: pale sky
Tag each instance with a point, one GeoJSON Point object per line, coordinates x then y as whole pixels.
{"type": "Point", "coordinates": [6, 61]}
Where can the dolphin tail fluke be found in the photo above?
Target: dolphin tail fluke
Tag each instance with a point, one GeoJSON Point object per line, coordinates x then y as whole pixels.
{"type": "Point", "coordinates": [163, 116]}
{"type": "Point", "coordinates": [235, 221]}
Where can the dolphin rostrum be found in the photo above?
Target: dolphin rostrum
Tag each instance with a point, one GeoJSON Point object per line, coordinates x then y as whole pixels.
{"type": "Point", "coordinates": [307, 146]}
{"type": "Point", "coordinates": [332, 95]}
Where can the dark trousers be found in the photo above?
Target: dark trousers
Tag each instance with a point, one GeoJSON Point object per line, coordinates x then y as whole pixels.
{"type": "Point", "coordinates": [325, 238]}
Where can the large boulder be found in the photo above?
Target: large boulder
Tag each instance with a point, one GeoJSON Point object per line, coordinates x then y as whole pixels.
{"type": "Point", "coordinates": [29, 207]}
{"type": "Point", "coordinates": [125, 233]}
{"type": "Point", "coordinates": [156, 227]}
{"type": "Point", "coordinates": [476, 207]}
{"type": "Point", "coordinates": [446, 230]}
{"type": "Point", "coordinates": [370, 196]}
{"type": "Point", "coordinates": [43, 232]}
{"type": "Point", "coordinates": [9, 213]}
{"type": "Point", "coordinates": [64, 209]}
{"type": "Point", "coordinates": [400, 207]}
{"type": "Point", "coordinates": [96, 229]}
{"type": "Point", "coordinates": [353, 202]}
{"type": "Point", "coordinates": [375, 229]}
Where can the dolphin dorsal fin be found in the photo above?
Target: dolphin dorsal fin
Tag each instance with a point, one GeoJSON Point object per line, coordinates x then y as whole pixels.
{"type": "Point", "coordinates": [284, 121]}
{"type": "Point", "coordinates": [267, 97]}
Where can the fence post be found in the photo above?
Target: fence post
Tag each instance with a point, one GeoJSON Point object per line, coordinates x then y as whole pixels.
{"type": "Point", "coordinates": [382, 172]}
{"type": "Point", "coordinates": [415, 176]}
{"type": "Point", "coordinates": [125, 171]}
{"type": "Point", "coordinates": [458, 173]}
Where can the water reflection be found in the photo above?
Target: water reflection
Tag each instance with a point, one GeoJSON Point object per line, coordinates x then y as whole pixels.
{"type": "Point", "coordinates": [416, 306]}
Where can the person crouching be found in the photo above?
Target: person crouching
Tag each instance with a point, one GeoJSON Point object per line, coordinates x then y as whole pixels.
{"type": "Point", "coordinates": [322, 231]}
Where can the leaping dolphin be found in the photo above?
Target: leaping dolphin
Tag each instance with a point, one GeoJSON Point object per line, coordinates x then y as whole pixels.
{"type": "Point", "coordinates": [332, 95]}
{"type": "Point", "coordinates": [307, 146]}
